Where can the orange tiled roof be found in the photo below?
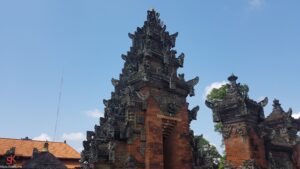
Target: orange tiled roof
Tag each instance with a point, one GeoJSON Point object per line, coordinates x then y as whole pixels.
{"type": "Point", "coordinates": [24, 148]}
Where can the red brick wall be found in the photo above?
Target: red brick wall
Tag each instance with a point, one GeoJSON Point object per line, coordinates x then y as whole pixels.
{"type": "Point", "coordinates": [257, 147]}
{"type": "Point", "coordinates": [154, 137]}
{"type": "Point", "coordinates": [177, 151]}
{"type": "Point", "coordinates": [178, 144]}
{"type": "Point", "coordinates": [296, 156]}
{"type": "Point", "coordinates": [240, 149]}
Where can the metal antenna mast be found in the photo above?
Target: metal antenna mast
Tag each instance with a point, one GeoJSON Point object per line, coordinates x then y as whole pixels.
{"type": "Point", "coordinates": [58, 104]}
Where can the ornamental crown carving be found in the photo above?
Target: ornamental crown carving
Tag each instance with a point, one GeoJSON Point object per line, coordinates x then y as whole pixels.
{"type": "Point", "coordinates": [236, 104]}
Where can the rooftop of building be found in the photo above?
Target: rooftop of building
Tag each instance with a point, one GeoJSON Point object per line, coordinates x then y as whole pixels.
{"type": "Point", "coordinates": [24, 148]}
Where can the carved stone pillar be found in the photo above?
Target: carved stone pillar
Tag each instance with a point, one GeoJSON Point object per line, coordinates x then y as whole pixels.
{"type": "Point", "coordinates": [240, 117]}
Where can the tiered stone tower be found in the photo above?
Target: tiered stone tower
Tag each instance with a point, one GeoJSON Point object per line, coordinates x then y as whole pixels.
{"type": "Point", "coordinates": [251, 140]}
{"type": "Point", "coordinates": [147, 121]}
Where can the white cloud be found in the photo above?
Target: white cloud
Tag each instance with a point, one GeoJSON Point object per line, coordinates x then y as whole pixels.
{"type": "Point", "coordinates": [96, 113]}
{"type": "Point", "coordinates": [256, 3]}
{"type": "Point", "coordinates": [296, 115]}
{"type": "Point", "coordinates": [76, 136]}
{"type": "Point", "coordinates": [215, 85]}
{"type": "Point", "coordinates": [43, 137]}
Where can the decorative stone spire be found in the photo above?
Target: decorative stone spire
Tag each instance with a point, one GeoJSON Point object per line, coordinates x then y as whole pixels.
{"type": "Point", "coordinates": [281, 135]}
{"type": "Point", "coordinates": [277, 107]}
{"type": "Point", "coordinates": [152, 59]}
{"type": "Point", "coordinates": [148, 82]}
{"type": "Point", "coordinates": [232, 79]}
{"type": "Point", "coordinates": [278, 112]}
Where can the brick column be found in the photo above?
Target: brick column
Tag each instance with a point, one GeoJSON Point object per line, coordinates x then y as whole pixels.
{"type": "Point", "coordinates": [243, 144]}
{"type": "Point", "coordinates": [154, 137]}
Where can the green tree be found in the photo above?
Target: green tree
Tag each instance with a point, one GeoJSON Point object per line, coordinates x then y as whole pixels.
{"type": "Point", "coordinates": [220, 93]}
{"type": "Point", "coordinates": [209, 154]}
{"type": "Point", "coordinates": [222, 162]}
{"type": "Point", "coordinates": [217, 94]}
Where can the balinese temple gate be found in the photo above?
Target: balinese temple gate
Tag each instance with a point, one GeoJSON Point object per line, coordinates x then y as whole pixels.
{"type": "Point", "coordinates": [147, 120]}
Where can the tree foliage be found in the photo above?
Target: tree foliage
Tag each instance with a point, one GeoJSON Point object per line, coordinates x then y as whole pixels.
{"type": "Point", "coordinates": [218, 127]}
{"type": "Point", "coordinates": [217, 94]}
{"type": "Point", "coordinates": [222, 162]}
{"type": "Point", "coordinates": [220, 93]}
{"type": "Point", "coordinates": [209, 154]}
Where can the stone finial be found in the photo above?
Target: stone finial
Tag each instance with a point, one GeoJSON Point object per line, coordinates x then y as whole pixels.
{"type": "Point", "coordinates": [35, 153]}
{"type": "Point", "coordinates": [277, 107]}
{"type": "Point", "coordinates": [232, 79]}
{"type": "Point", "coordinates": [278, 112]}
{"type": "Point", "coordinates": [276, 103]}
{"type": "Point", "coordinates": [46, 147]}
{"type": "Point", "coordinates": [153, 16]}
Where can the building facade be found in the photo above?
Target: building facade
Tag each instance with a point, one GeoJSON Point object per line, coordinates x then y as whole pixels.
{"type": "Point", "coordinates": [16, 152]}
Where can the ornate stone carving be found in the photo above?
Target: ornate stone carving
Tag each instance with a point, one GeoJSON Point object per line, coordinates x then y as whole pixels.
{"type": "Point", "coordinates": [130, 162]}
{"type": "Point", "coordinates": [261, 131]}
{"type": "Point", "coordinates": [142, 96]}
{"type": "Point", "coordinates": [264, 102]}
{"type": "Point", "coordinates": [250, 164]}
{"type": "Point", "coordinates": [279, 162]}
{"type": "Point", "coordinates": [86, 145]}
{"type": "Point", "coordinates": [172, 108]}
{"type": "Point", "coordinates": [114, 82]}
{"type": "Point", "coordinates": [284, 126]}
{"type": "Point", "coordinates": [191, 84]}
{"type": "Point", "coordinates": [180, 59]}
{"type": "Point", "coordinates": [193, 113]}
{"type": "Point", "coordinates": [90, 135]}
{"type": "Point", "coordinates": [150, 70]}
{"type": "Point", "coordinates": [181, 77]}
{"type": "Point", "coordinates": [276, 134]}
{"type": "Point", "coordinates": [242, 131]}
{"type": "Point", "coordinates": [111, 150]}
{"type": "Point", "coordinates": [237, 103]}
{"type": "Point", "coordinates": [216, 113]}
{"type": "Point", "coordinates": [226, 131]}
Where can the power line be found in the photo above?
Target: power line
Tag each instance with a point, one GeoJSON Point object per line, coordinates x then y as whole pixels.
{"type": "Point", "coordinates": [58, 104]}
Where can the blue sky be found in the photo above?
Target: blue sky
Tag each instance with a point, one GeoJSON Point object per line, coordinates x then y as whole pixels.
{"type": "Point", "coordinates": [258, 40]}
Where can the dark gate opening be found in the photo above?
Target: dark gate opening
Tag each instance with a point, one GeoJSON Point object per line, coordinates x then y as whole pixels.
{"type": "Point", "coordinates": [167, 153]}
{"type": "Point", "coordinates": [168, 143]}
